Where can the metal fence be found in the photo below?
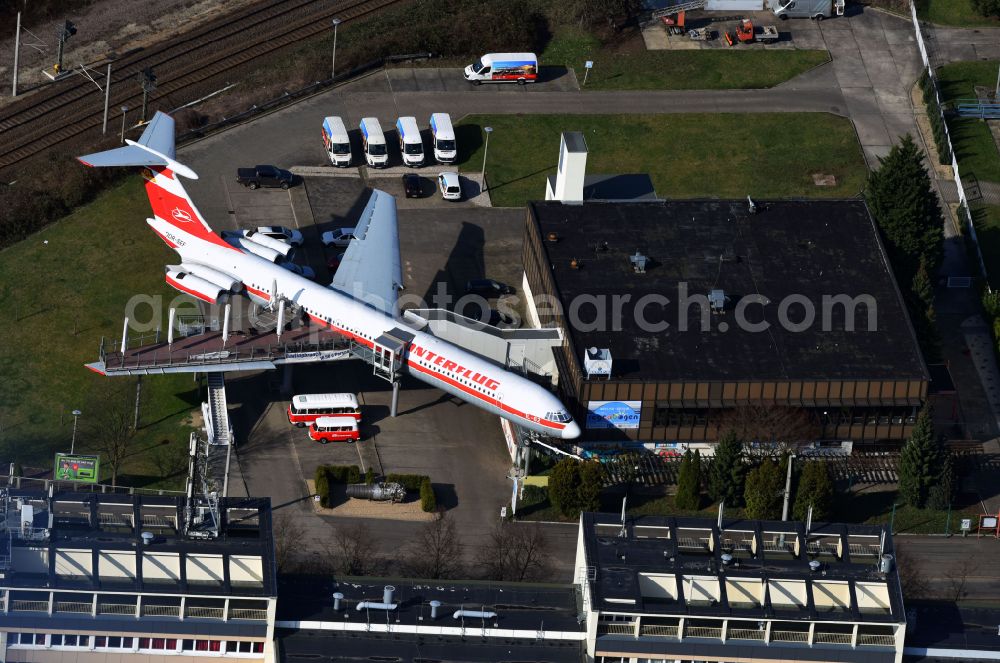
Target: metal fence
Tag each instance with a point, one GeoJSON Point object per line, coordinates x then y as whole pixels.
{"type": "Point", "coordinates": [964, 211]}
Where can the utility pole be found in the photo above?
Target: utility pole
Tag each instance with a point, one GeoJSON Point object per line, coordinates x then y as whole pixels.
{"type": "Point", "coordinates": [107, 98]}
{"type": "Point", "coordinates": [788, 487]}
{"type": "Point", "coordinates": [138, 393]}
{"type": "Point", "coordinates": [65, 32]}
{"type": "Point", "coordinates": [124, 111]}
{"type": "Point", "coordinates": [72, 444]}
{"type": "Point", "coordinates": [333, 60]}
{"type": "Point", "coordinates": [17, 52]}
{"type": "Point", "coordinates": [147, 79]}
{"type": "Point", "coordinates": [486, 149]}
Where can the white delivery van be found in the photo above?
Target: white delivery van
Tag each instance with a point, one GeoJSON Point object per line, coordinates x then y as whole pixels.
{"type": "Point", "coordinates": [336, 142]}
{"type": "Point", "coordinates": [443, 138]}
{"type": "Point", "coordinates": [503, 68]}
{"type": "Point", "coordinates": [373, 143]}
{"type": "Point", "coordinates": [411, 145]}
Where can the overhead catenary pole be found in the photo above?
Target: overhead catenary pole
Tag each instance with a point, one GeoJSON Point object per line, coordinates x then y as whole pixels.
{"type": "Point", "coordinates": [17, 53]}
{"type": "Point", "coordinates": [225, 324]}
{"type": "Point", "coordinates": [788, 488]}
{"type": "Point", "coordinates": [170, 327]}
{"type": "Point", "coordinates": [107, 98]}
{"type": "Point", "coordinates": [138, 395]}
{"type": "Point", "coordinates": [124, 336]}
{"type": "Point", "coordinates": [124, 112]}
{"type": "Point", "coordinates": [72, 443]}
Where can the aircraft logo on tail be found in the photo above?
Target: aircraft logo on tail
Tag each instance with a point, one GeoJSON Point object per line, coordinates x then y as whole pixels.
{"type": "Point", "coordinates": [181, 215]}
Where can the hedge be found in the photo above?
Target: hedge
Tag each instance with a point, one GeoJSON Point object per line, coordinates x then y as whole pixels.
{"type": "Point", "coordinates": [412, 482]}
{"type": "Point", "coordinates": [327, 474]}
{"type": "Point", "coordinates": [428, 502]}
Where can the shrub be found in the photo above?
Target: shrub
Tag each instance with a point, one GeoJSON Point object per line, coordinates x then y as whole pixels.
{"type": "Point", "coordinates": [533, 495]}
{"type": "Point", "coordinates": [428, 502]}
{"type": "Point", "coordinates": [763, 491]}
{"type": "Point", "coordinates": [575, 486]}
{"type": "Point", "coordinates": [369, 476]}
{"type": "Point", "coordinates": [412, 482]}
{"type": "Point", "coordinates": [323, 486]}
{"type": "Point", "coordinates": [343, 473]}
{"type": "Point", "coordinates": [987, 8]}
{"type": "Point", "coordinates": [689, 482]}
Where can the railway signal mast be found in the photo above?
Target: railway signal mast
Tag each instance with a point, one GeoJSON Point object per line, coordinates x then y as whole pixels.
{"type": "Point", "coordinates": [65, 32]}
{"type": "Point", "coordinates": [147, 79]}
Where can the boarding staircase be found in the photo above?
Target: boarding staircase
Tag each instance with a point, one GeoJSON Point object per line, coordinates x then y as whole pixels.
{"type": "Point", "coordinates": [217, 424]}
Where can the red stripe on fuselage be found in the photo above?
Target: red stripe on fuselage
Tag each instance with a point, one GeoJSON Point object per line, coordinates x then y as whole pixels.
{"type": "Point", "coordinates": [444, 378]}
{"type": "Point", "coordinates": [193, 293]}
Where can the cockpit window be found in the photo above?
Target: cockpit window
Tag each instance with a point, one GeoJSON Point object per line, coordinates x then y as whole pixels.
{"type": "Point", "coordinates": [561, 416]}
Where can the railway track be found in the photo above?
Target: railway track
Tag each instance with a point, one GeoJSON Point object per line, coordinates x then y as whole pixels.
{"type": "Point", "coordinates": [72, 108]}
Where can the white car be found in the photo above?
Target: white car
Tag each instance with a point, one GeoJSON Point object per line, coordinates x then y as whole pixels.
{"type": "Point", "coordinates": [449, 185]}
{"type": "Point", "coordinates": [302, 270]}
{"type": "Point", "coordinates": [338, 237]}
{"type": "Point", "coordinates": [293, 237]}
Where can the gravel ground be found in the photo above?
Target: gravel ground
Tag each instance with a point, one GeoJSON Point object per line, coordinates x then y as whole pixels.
{"type": "Point", "coordinates": [104, 27]}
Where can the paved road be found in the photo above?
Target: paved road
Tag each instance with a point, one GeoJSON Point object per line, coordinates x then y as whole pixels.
{"type": "Point", "coordinates": [953, 568]}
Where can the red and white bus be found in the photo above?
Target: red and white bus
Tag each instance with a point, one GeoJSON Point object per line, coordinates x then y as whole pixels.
{"type": "Point", "coordinates": [336, 429]}
{"type": "Point", "coordinates": [306, 408]}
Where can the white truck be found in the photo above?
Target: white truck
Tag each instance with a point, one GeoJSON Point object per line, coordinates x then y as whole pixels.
{"type": "Point", "coordinates": [411, 145]}
{"type": "Point", "coordinates": [373, 142]}
{"type": "Point", "coordinates": [336, 142]}
{"type": "Point", "coordinates": [443, 138]}
{"type": "Point", "coordinates": [503, 68]}
{"type": "Point", "coordinates": [814, 9]}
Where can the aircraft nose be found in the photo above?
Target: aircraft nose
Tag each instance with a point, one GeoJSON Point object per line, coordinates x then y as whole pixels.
{"type": "Point", "coordinates": [571, 431]}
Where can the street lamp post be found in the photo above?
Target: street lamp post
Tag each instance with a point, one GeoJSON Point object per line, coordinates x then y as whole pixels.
{"type": "Point", "coordinates": [333, 60]}
{"type": "Point", "coordinates": [72, 444]}
{"type": "Point", "coordinates": [124, 110]}
{"type": "Point", "coordinates": [486, 150]}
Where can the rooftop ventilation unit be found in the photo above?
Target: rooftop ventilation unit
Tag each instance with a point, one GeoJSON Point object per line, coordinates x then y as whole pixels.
{"type": "Point", "coordinates": [597, 362]}
{"type": "Point", "coordinates": [717, 300]}
{"type": "Point", "coordinates": [638, 262]}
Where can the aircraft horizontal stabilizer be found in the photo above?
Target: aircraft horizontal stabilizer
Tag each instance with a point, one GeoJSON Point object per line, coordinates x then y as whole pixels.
{"type": "Point", "coordinates": [154, 148]}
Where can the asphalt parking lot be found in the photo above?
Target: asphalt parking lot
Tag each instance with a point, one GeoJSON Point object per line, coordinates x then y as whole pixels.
{"type": "Point", "coordinates": [459, 446]}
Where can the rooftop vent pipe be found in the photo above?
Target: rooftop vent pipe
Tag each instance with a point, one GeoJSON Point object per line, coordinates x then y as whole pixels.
{"type": "Point", "coordinates": [477, 614]}
{"type": "Point", "coordinates": [147, 538]}
{"type": "Point", "coordinates": [885, 564]}
{"type": "Point", "coordinates": [337, 598]}
{"type": "Point", "coordinates": [434, 609]}
{"type": "Point", "coordinates": [727, 559]}
{"type": "Point", "coordinates": [387, 593]}
{"type": "Point", "coordinates": [814, 565]}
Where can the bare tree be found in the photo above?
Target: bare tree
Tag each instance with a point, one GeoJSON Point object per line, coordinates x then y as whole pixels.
{"type": "Point", "coordinates": [288, 535]}
{"type": "Point", "coordinates": [778, 428]}
{"type": "Point", "coordinates": [515, 551]}
{"type": "Point", "coordinates": [355, 550]}
{"type": "Point", "coordinates": [110, 421]}
{"type": "Point", "coordinates": [436, 552]}
{"type": "Point", "coordinates": [958, 577]}
{"type": "Point", "coordinates": [169, 459]}
{"type": "Point", "coordinates": [912, 580]}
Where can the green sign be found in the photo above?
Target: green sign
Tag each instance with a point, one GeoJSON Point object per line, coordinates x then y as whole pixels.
{"type": "Point", "coordinates": [76, 468]}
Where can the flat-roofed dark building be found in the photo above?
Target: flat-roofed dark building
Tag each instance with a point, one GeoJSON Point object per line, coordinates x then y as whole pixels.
{"type": "Point", "coordinates": [700, 308]}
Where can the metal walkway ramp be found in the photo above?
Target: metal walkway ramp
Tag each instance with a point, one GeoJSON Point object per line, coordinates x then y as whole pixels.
{"type": "Point", "coordinates": [217, 424]}
{"type": "Point", "coordinates": [984, 110]}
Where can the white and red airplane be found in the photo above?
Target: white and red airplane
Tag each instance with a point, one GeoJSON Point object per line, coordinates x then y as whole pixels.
{"type": "Point", "coordinates": [360, 303]}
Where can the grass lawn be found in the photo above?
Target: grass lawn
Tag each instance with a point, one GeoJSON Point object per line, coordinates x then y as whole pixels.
{"type": "Point", "coordinates": [974, 145]}
{"type": "Point", "coordinates": [675, 70]}
{"type": "Point", "coordinates": [61, 290]}
{"type": "Point", "coordinates": [953, 12]}
{"type": "Point", "coordinates": [687, 155]}
{"type": "Point", "coordinates": [876, 508]}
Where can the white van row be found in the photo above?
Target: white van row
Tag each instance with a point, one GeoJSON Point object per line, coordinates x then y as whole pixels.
{"type": "Point", "coordinates": [373, 143]}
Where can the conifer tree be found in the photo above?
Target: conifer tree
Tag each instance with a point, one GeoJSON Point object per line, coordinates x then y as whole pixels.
{"type": "Point", "coordinates": [727, 472]}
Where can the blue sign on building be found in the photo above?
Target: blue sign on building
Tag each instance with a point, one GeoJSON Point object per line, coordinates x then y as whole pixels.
{"type": "Point", "coordinates": [613, 414]}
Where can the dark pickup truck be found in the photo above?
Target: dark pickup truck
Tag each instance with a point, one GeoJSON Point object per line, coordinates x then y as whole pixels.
{"type": "Point", "coordinates": [259, 176]}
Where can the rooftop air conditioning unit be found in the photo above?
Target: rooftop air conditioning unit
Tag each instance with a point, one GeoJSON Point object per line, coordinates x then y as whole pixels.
{"type": "Point", "coordinates": [597, 362]}
{"type": "Point", "coordinates": [717, 300]}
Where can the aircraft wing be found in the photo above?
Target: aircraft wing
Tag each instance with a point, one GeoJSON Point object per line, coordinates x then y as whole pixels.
{"type": "Point", "coordinates": [371, 270]}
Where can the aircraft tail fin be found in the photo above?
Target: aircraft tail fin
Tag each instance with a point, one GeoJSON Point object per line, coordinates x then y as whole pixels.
{"type": "Point", "coordinates": [154, 149]}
